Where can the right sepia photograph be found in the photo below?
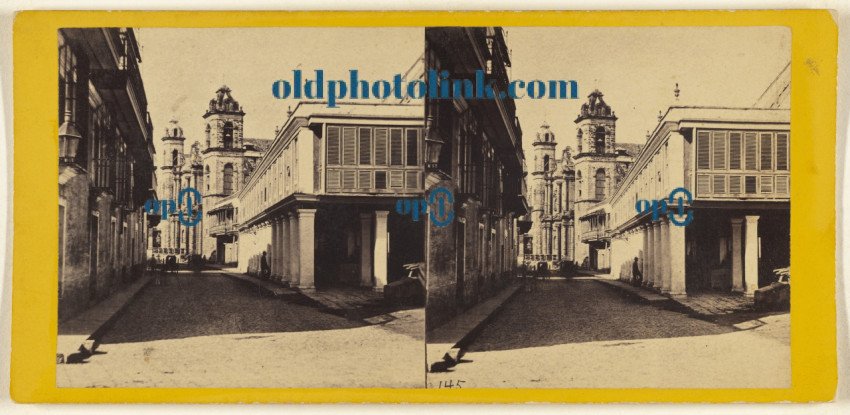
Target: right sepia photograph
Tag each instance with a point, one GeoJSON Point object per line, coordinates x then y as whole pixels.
{"type": "Point", "coordinates": [610, 207]}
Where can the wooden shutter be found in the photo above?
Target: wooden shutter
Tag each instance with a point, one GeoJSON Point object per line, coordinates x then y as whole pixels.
{"type": "Point", "coordinates": [396, 149]}
{"type": "Point", "coordinates": [719, 184]}
{"type": "Point", "coordinates": [750, 150]}
{"type": "Point", "coordinates": [766, 184]}
{"type": "Point", "coordinates": [333, 145]}
{"type": "Point", "coordinates": [381, 146]}
{"type": "Point", "coordinates": [703, 150]}
{"type": "Point", "coordinates": [719, 150]}
{"type": "Point", "coordinates": [412, 147]}
{"type": "Point", "coordinates": [750, 184]}
{"type": "Point", "coordinates": [703, 182]}
{"type": "Point", "coordinates": [380, 180]}
{"type": "Point", "coordinates": [735, 184]}
{"type": "Point", "coordinates": [781, 151]}
{"type": "Point", "coordinates": [349, 146]}
{"type": "Point", "coordinates": [365, 145]}
{"type": "Point", "coordinates": [734, 151]}
{"type": "Point", "coordinates": [766, 151]}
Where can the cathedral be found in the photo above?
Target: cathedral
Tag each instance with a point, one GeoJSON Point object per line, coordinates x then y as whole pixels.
{"type": "Point", "coordinates": [565, 188]}
{"type": "Point", "coordinates": [217, 168]}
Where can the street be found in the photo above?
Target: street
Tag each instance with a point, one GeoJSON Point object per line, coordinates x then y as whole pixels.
{"type": "Point", "coordinates": [204, 330]}
{"type": "Point", "coordinates": [577, 333]}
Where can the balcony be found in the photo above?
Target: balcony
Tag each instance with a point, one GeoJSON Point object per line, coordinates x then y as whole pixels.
{"type": "Point", "coordinates": [224, 229]}
{"type": "Point", "coordinates": [599, 234]}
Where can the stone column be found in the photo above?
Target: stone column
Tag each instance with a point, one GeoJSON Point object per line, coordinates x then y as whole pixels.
{"type": "Point", "coordinates": [294, 249]}
{"type": "Point", "coordinates": [285, 249]}
{"type": "Point", "coordinates": [665, 255]}
{"type": "Point", "coordinates": [658, 262]}
{"type": "Point", "coordinates": [751, 260]}
{"type": "Point", "coordinates": [365, 249]}
{"type": "Point", "coordinates": [380, 256]}
{"type": "Point", "coordinates": [306, 252]}
{"type": "Point", "coordinates": [273, 257]}
{"type": "Point", "coordinates": [676, 252]}
{"type": "Point", "coordinates": [737, 269]}
{"type": "Point", "coordinates": [649, 269]}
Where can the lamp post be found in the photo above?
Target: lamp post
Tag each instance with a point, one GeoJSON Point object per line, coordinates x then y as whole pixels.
{"type": "Point", "coordinates": [69, 136]}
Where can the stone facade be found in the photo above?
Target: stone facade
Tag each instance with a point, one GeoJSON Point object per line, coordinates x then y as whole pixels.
{"type": "Point", "coordinates": [105, 166]}
{"type": "Point", "coordinates": [566, 188]}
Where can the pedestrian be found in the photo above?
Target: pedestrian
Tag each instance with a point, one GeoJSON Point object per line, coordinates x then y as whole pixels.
{"type": "Point", "coordinates": [152, 264]}
{"type": "Point", "coordinates": [264, 267]}
{"type": "Point", "coordinates": [637, 277]}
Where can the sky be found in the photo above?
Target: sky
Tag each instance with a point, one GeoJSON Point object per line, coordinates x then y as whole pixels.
{"type": "Point", "coordinates": [182, 68]}
{"type": "Point", "coordinates": [637, 68]}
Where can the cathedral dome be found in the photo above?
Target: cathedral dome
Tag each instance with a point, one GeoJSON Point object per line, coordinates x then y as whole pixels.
{"type": "Point", "coordinates": [224, 102]}
{"type": "Point", "coordinates": [174, 130]}
{"type": "Point", "coordinates": [544, 134]}
{"type": "Point", "coordinates": [595, 107]}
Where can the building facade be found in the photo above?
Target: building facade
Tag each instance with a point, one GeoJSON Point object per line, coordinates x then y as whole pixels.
{"type": "Point", "coordinates": [735, 162]}
{"type": "Point", "coordinates": [566, 188]}
{"type": "Point", "coordinates": [217, 169]}
{"type": "Point", "coordinates": [474, 149]}
{"type": "Point", "coordinates": [105, 165]}
{"type": "Point", "coordinates": [321, 204]}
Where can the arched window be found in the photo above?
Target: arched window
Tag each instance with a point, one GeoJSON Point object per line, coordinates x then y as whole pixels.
{"type": "Point", "coordinates": [227, 135]}
{"type": "Point", "coordinates": [174, 157]}
{"type": "Point", "coordinates": [227, 179]}
{"type": "Point", "coordinates": [207, 177]}
{"type": "Point", "coordinates": [208, 135]}
{"type": "Point", "coordinates": [599, 140]}
{"type": "Point", "coordinates": [600, 184]}
{"type": "Point", "coordinates": [579, 182]}
{"type": "Point", "coordinates": [545, 163]}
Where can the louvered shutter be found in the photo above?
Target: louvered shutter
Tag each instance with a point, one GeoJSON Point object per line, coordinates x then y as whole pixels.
{"type": "Point", "coordinates": [396, 149]}
{"type": "Point", "coordinates": [349, 146]}
{"type": "Point", "coordinates": [365, 145]}
{"type": "Point", "coordinates": [750, 150]}
{"type": "Point", "coordinates": [333, 145]}
{"type": "Point", "coordinates": [703, 150]}
{"type": "Point", "coordinates": [734, 151]}
{"type": "Point", "coordinates": [781, 152]}
{"type": "Point", "coordinates": [766, 151]}
{"type": "Point", "coordinates": [412, 147]}
{"type": "Point", "coordinates": [719, 150]}
{"type": "Point", "coordinates": [381, 146]}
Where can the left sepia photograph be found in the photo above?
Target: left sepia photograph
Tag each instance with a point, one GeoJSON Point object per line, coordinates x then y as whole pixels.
{"type": "Point", "coordinates": [228, 219]}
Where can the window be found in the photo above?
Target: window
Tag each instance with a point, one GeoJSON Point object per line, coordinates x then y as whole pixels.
{"type": "Point", "coordinates": [599, 140]}
{"type": "Point", "coordinates": [175, 158]}
{"type": "Point", "coordinates": [381, 146]}
{"type": "Point", "coordinates": [734, 151]}
{"type": "Point", "coordinates": [349, 146]}
{"type": "Point", "coordinates": [366, 146]}
{"type": "Point", "coordinates": [412, 147]}
{"type": "Point", "coordinates": [703, 150]}
{"type": "Point", "coordinates": [207, 177]}
{"type": "Point", "coordinates": [782, 151]}
{"type": "Point", "coordinates": [600, 184]}
{"type": "Point", "coordinates": [750, 149]}
{"type": "Point", "coordinates": [719, 144]}
{"type": "Point", "coordinates": [227, 135]}
{"type": "Point", "coordinates": [766, 151]}
{"type": "Point", "coordinates": [545, 163]}
{"type": "Point", "coordinates": [333, 145]}
{"type": "Point", "coordinates": [227, 179]}
{"type": "Point", "coordinates": [396, 149]}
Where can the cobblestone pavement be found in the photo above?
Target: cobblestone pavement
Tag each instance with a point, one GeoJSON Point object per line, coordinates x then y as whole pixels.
{"type": "Point", "coordinates": [209, 330]}
{"type": "Point", "coordinates": [579, 333]}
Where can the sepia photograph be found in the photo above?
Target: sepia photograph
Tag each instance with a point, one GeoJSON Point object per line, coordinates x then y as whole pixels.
{"type": "Point", "coordinates": [225, 221]}
{"type": "Point", "coordinates": [622, 208]}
